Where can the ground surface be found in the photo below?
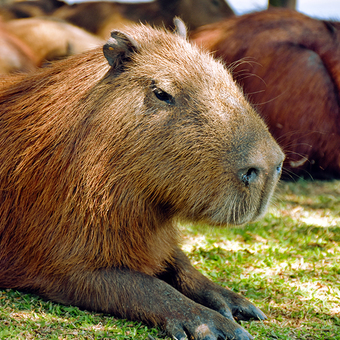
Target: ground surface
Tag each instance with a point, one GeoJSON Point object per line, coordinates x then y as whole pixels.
{"type": "Point", "coordinates": [288, 264]}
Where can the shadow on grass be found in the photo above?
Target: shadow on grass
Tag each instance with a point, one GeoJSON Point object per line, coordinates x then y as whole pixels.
{"type": "Point", "coordinates": [26, 316]}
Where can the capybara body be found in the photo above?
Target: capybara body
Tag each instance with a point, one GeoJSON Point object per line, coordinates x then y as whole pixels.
{"type": "Point", "coordinates": [29, 8]}
{"type": "Point", "coordinates": [102, 155]}
{"type": "Point", "coordinates": [51, 39]}
{"type": "Point", "coordinates": [100, 17]}
{"type": "Point", "coordinates": [15, 54]}
{"type": "Point", "coordinates": [289, 66]}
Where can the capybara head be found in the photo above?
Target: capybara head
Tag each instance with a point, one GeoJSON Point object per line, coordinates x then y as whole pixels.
{"type": "Point", "coordinates": [193, 147]}
{"type": "Point", "coordinates": [157, 130]}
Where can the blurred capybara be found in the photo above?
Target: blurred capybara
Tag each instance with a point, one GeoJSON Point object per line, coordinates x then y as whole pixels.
{"type": "Point", "coordinates": [101, 156]}
{"type": "Point", "coordinates": [289, 67]}
{"type": "Point", "coordinates": [15, 54]}
{"type": "Point", "coordinates": [52, 39]}
{"type": "Point", "coordinates": [29, 8]}
{"type": "Point", "coordinates": [101, 17]}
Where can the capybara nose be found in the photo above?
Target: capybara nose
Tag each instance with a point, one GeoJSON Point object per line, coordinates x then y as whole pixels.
{"type": "Point", "coordinates": [249, 175]}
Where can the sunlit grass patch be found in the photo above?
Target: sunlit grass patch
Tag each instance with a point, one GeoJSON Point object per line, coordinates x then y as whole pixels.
{"type": "Point", "coordinates": [288, 264]}
{"type": "Point", "coordinates": [25, 316]}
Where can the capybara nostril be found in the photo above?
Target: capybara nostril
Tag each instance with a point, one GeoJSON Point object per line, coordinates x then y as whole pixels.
{"type": "Point", "coordinates": [279, 169]}
{"type": "Point", "coordinates": [249, 175]}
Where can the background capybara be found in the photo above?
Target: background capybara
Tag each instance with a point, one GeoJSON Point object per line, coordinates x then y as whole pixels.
{"type": "Point", "coordinates": [15, 55]}
{"type": "Point", "coordinates": [289, 66]}
{"type": "Point", "coordinates": [52, 39]}
{"type": "Point", "coordinates": [100, 156]}
{"type": "Point", "coordinates": [28, 9]}
{"type": "Point", "coordinates": [101, 17]}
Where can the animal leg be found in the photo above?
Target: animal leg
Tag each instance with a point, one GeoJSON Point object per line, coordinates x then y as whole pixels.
{"type": "Point", "coordinates": [189, 281]}
{"type": "Point", "coordinates": [137, 296]}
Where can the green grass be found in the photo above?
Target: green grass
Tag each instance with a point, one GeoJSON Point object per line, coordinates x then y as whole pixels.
{"type": "Point", "coordinates": [288, 264]}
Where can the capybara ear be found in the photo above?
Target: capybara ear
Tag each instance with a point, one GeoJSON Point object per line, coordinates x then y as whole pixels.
{"type": "Point", "coordinates": [180, 27]}
{"type": "Point", "coordinates": [118, 48]}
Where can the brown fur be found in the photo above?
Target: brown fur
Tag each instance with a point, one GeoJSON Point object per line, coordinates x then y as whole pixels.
{"type": "Point", "coordinates": [15, 54]}
{"type": "Point", "coordinates": [289, 66]}
{"type": "Point", "coordinates": [28, 9]}
{"type": "Point", "coordinates": [102, 16]}
{"type": "Point", "coordinates": [52, 39]}
{"type": "Point", "coordinates": [97, 165]}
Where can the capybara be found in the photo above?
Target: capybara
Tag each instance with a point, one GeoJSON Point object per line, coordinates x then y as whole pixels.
{"type": "Point", "coordinates": [15, 54]}
{"type": "Point", "coordinates": [52, 39]}
{"type": "Point", "coordinates": [101, 17]}
{"type": "Point", "coordinates": [102, 154]}
{"type": "Point", "coordinates": [29, 8]}
{"type": "Point", "coordinates": [289, 66]}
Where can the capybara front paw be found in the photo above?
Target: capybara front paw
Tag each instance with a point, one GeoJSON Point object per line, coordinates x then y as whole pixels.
{"type": "Point", "coordinates": [231, 305]}
{"type": "Point", "coordinates": [207, 325]}
{"type": "Point", "coordinates": [241, 308]}
{"type": "Point", "coordinates": [247, 312]}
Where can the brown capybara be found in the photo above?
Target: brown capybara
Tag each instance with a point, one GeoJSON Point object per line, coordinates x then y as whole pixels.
{"type": "Point", "coordinates": [29, 8]}
{"type": "Point", "coordinates": [289, 66]}
{"type": "Point", "coordinates": [52, 39]}
{"type": "Point", "coordinates": [101, 155]}
{"type": "Point", "coordinates": [101, 17]}
{"type": "Point", "coordinates": [15, 54]}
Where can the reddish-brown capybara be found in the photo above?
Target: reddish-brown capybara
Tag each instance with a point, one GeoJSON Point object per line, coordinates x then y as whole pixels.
{"type": "Point", "coordinates": [15, 54]}
{"type": "Point", "coordinates": [101, 17]}
{"type": "Point", "coordinates": [29, 8]}
{"type": "Point", "coordinates": [289, 67]}
{"type": "Point", "coordinates": [101, 156]}
{"type": "Point", "coordinates": [52, 39]}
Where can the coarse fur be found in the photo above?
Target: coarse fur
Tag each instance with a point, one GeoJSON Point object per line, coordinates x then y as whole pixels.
{"type": "Point", "coordinates": [289, 66]}
{"type": "Point", "coordinates": [102, 155]}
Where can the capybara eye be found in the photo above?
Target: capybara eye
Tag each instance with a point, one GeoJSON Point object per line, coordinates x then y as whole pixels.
{"type": "Point", "coordinates": [162, 95]}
